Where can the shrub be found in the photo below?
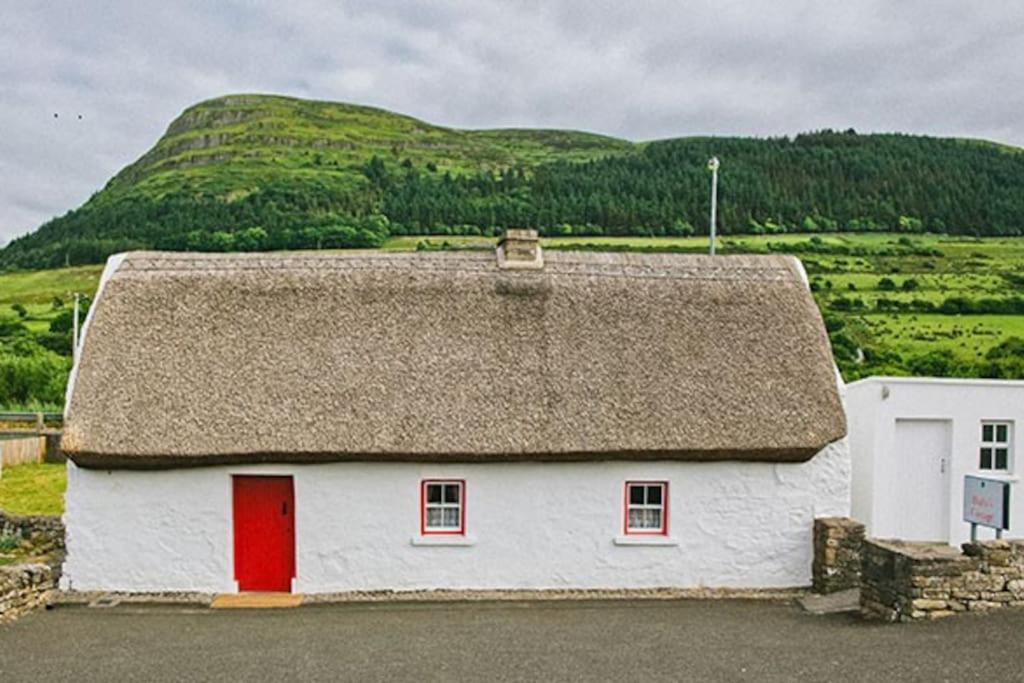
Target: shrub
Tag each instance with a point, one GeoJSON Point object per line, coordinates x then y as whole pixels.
{"type": "Point", "coordinates": [938, 363]}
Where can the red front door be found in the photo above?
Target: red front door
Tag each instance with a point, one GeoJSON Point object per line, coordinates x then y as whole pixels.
{"type": "Point", "coordinates": [264, 519]}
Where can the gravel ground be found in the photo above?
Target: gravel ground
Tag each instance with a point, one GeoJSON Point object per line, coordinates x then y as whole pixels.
{"type": "Point", "coordinates": [729, 640]}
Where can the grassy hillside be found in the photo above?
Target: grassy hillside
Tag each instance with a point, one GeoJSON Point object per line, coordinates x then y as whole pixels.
{"type": "Point", "coordinates": [256, 172]}
{"type": "Point", "coordinates": [922, 305]}
{"type": "Point", "coordinates": [232, 145]}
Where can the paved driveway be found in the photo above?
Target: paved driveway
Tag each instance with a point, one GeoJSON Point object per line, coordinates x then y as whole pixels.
{"type": "Point", "coordinates": [629, 641]}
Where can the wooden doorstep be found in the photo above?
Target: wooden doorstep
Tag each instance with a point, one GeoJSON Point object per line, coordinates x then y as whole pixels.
{"type": "Point", "coordinates": [256, 600]}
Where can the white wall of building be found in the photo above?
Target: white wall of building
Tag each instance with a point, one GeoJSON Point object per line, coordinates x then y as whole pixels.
{"type": "Point", "coordinates": [885, 413]}
{"type": "Point", "coordinates": [531, 525]}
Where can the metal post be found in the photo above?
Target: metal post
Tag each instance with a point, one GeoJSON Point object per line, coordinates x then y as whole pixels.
{"type": "Point", "coordinates": [713, 165]}
{"type": "Point", "coordinates": [974, 532]}
{"type": "Point", "coordinates": [74, 333]}
{"type": "Point", "coordinates": [999, 533]}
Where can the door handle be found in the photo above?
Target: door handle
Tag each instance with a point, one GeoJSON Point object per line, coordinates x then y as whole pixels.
{"type": "Point", "coordinates": [942, 466]}
{"type": "Point", "coordinates": [284, 508]}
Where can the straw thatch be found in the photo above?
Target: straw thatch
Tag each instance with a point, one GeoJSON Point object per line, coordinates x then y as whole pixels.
{"type": "Point", "coordinates": [196, 359]}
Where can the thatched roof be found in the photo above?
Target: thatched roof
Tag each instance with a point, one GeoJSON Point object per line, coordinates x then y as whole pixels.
{"type": "Point", "coordinates": [196, 359]}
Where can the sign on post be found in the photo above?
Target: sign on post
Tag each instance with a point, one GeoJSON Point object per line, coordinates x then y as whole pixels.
{"type": "Point", "coordinates": [986, 503]}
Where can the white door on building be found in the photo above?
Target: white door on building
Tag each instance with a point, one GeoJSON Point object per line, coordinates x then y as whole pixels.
{"type": "Point", "coordinates": [921, 484]}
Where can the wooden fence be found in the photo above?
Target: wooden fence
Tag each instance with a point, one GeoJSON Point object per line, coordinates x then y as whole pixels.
{"type": "Point", "coordinates": [22, 450]}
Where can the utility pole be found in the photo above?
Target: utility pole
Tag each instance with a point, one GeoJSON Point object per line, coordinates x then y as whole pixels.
{"type": "Point", "coordinates": [713, 165]}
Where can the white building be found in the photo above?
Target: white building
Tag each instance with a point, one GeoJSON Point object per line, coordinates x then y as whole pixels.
{"type": "Point", "coordinates": [358, 421]}
{"type": "Point", "coordinates": [913, 440]}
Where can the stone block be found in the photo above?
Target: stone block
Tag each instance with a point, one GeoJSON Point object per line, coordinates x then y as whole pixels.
{"type": "Point", "coordinates": [966, 595]}
{"type": "Point", "coordinates": [982, 605]}
{"type": "Point", "coordinates": [926, 604]}
{"type": "Point", "coordinates": [940, 614]}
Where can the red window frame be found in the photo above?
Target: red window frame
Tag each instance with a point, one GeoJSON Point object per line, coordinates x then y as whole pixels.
{"type": "Point", "coordinates": [663, 531]}
{"type": "Point", "coordinates": [461, 531]}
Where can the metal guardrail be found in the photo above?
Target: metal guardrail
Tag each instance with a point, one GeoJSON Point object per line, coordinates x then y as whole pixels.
{"type": "Point", "coordinates": [36, 418]}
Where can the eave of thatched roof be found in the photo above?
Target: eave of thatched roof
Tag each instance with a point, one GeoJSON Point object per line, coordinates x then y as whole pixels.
{"type": "Point", "coordinates": [211, 359]}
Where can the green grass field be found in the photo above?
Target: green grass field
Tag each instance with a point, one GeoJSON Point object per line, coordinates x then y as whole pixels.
{"type": "Point", "coordinates": [37, 289]}
{"type": "Point", "coordinates": [33, 489]}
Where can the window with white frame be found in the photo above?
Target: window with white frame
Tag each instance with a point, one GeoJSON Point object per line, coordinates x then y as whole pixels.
{"type": "Point", "coordinates": [995, 446]}
{"type": "Point", "coordinates": [443, 507]}
{"type": "Point", "coordinates": [646, 507]}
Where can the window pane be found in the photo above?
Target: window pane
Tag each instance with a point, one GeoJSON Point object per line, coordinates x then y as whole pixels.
{"type": "Point", "coordinates": [986, 432]}
{"type": "Point", "coordinates": [1002, 458]}
{"type": "Point", "coordinates": [636, 519]}
{"type": "Point", "coordinates": [451, 493]}
{"type": "Point", "coordinates": [1001, 433]}
{"type": "Point", "coordinates": [636, 495]}
{"type": "Point", "coordinates": [433, 517]}
{"type": "Point", "coordinates": [451, 518]}
{"type": "Point", "coordinates": [648, 519]}
{"type": "Point", "coordinates": [654, 495]}
{"type": "Point", "coordinates": [654, 519]}
{"type": "Point", "coordinates": [986, 458]}
{"type": "Point", "coordinates": [433, 493]}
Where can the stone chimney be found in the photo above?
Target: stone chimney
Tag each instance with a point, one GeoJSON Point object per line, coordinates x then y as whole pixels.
{"type": "Point", "coordinates": [520, 250]}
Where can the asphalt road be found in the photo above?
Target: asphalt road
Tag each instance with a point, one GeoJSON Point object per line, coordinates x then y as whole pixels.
{"type": "Point", "coordinates": [628, 641]}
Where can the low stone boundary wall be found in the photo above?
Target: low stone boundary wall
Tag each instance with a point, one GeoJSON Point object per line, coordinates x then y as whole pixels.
{"type": "Point", "coordinates": [904, 581]}
{"type": "Point", "coordinates": [837, 554]}
{"type": "Point", "coordinates": [45, 533]}
{"type": "Point", "coordinates": [24, 587]}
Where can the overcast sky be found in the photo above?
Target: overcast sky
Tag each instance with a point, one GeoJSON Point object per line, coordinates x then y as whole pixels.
{"type": "Point", "coordinates": [629, 68]}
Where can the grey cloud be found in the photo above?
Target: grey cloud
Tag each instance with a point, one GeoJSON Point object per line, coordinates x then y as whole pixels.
{"type": "Point", "coordinates": [639, 70]}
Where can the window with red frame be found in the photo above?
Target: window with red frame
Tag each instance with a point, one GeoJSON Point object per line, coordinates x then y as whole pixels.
{"type": "Point", "coordinates": [646, 507]}
{"type": "Point", "coordinates": [443, 507]}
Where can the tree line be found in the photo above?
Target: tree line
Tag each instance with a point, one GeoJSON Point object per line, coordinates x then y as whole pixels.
{"type": "Point", "coordinates": [826, 181]}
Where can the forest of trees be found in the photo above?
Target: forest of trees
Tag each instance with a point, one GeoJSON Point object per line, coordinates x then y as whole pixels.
{"type": "Point", "coordinates": [818, 182]}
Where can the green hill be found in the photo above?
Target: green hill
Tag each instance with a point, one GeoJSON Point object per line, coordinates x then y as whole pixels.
{"type": "Point", "coordinates": [250, 172]}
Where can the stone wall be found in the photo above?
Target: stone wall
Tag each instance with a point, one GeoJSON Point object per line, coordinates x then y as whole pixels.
{"type": "Point", "coordinates": [24, 587]}
{"type": "Point", "coordinates": [837, 554]}
{"type": "Point", "coordinates": [904, 581]}
{"type": "Point", "coordinates": [45, 533]}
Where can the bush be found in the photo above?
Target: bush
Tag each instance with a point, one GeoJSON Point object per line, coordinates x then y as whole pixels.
{"type": "Point", "coordinates": [842, 303]}
{"type": "Point", "coordinates": [939, 363]}
{"type": "Point", "coordinates": [40, 377]}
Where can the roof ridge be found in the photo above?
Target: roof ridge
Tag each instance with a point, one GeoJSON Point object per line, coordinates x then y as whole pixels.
{"type": "Point", "coordinates": [664, 268]}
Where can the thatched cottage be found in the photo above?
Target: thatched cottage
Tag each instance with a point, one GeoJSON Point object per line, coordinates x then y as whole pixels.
{"type": "Point", "coordinates": [323, 422]}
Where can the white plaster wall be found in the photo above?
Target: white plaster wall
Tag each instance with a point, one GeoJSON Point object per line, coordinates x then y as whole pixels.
{"type": "Point", "coordinates": [535, 525]}
{"type": "Point", "coordinates": [861, 408]}
{"type": "Point", "coordinates": [877, 402]}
